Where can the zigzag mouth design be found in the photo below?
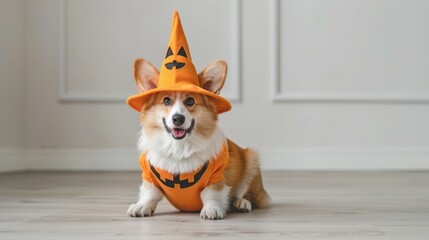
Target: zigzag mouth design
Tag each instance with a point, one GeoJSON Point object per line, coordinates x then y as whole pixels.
{"type": "Point", "coordinates": [176, 178]}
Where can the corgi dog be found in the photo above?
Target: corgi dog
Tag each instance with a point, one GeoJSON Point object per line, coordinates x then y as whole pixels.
{"type": "Point", "coordinates": [186, 157]}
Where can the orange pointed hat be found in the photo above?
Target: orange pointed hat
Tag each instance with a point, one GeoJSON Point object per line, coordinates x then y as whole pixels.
{"type": "Point", "coordinates": [178, 73]}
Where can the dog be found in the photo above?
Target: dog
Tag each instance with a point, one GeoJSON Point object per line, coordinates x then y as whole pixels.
{"type": "Point", "coordinates": [184, 155]}
{"type": "Point", "coordinates": [180, 133]}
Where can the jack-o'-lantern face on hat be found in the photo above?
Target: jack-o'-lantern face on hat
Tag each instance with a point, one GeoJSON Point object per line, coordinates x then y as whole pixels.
{"type": "Point", "coordinates": [174, 58]}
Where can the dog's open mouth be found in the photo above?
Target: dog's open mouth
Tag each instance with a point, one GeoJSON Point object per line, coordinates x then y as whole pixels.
{"type": "Point", "coordinates": [179, 133]}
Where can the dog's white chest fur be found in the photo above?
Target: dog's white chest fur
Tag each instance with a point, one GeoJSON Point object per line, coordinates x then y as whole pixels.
{"type": "Point", "coordinates": [180, 156]}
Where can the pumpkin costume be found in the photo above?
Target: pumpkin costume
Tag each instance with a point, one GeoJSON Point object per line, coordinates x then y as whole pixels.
{"type": "Point", "coordinates": [183, 190]}
{"type": "Point", "coordinates": [178, 74]}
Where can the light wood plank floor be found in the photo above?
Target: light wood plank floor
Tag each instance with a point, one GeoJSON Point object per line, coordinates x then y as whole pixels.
{"type": "Point", "coordinates": [306, 205]}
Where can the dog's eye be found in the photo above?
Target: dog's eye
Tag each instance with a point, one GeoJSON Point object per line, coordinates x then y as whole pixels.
{"type": "Point", "coordinates": [167, 101]}
{"type": "Point", "coordinates": [189, 102]}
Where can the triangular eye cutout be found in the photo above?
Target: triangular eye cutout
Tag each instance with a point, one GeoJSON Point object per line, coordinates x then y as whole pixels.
{"type": "Point", "coordinates": [169, 52]}
{"type": "Point", "coordinates": [182, 52]}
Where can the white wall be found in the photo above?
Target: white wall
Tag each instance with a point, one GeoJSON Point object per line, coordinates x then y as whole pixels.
{"type": "Point", "coordinates": [324, 84]}
{"type": "Point", "coordinates": [12, 89]}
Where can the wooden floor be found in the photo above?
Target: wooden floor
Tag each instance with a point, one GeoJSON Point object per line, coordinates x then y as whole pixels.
{"type": "Point", "coordinates": [306, 205]}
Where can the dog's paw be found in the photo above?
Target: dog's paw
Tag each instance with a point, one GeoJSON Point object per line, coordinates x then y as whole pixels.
{"type": "Point", "coordinates": [212, 212]}
{"type": "Point", "coordinates": [141, 210]}
{"type": "Point", "coordinates": [243, 205]}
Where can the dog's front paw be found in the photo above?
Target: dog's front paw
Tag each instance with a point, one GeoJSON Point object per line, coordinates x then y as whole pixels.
{"type": "Point", "coordinates": [243, 205]}
{"type": "Point", "coordinates": [212, 212]}
{"type": "Point", "coordinates": [141, 210]}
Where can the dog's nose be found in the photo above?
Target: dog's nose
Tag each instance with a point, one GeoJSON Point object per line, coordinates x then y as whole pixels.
{"type": "Point", "coordinates": [178, 119]}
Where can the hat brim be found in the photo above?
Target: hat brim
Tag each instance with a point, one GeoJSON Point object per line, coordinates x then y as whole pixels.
{"type": "Point", "coordinates": [137, 101]}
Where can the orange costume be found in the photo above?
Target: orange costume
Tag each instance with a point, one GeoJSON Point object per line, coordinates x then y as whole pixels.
{"type": "Point", "coordinates": [183, 190]}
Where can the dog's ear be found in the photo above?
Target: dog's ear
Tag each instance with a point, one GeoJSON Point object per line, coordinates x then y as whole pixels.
{"type": "Point", "coordinates": [145, 75]}
{"type": "Point", "coordinates": [213, 76]}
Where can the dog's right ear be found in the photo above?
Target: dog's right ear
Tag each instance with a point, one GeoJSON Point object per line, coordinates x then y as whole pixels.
{"type": "Point", "coordinates": [145, 75]}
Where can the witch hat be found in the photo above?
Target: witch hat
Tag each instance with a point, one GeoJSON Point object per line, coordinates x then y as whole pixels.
{"type": "Point", "coordinates": [178, 73]}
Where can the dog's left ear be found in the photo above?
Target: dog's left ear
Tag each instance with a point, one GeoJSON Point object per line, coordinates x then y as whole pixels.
{"type": "Point", "coordinates": [213, 76]}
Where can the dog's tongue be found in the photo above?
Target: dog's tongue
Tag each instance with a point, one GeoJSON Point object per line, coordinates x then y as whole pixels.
{"type": "Point", "coordinates": [178, 133]}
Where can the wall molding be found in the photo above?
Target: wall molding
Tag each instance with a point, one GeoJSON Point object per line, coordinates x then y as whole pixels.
{"type": "Point", "coordinates": [277, 95]}
{"type": "Point", "coordinates": [107, 159]}
{"type": "Point", "coordinates": [66, 95]}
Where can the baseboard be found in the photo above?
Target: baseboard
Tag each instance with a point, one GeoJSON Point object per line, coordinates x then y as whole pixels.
{"type": "Point", "coordinates": [13, 159]}
{"type": "Point", "coordinates": [332, 159]}
{"type": "Point", "coordinates": [83, 159]}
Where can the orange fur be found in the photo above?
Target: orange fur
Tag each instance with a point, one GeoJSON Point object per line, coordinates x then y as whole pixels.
{"type": "Point", "coordinates": [244, 164]}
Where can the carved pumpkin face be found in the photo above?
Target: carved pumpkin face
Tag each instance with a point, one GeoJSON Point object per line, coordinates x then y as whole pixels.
{"type": "Point", "coordinates": [175, 63]}
{"type": "Point", "coordinates": [181, 183]}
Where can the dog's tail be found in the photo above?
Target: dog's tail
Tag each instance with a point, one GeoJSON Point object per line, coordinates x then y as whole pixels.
{"type": "Point", "coordinates": [259, 197]}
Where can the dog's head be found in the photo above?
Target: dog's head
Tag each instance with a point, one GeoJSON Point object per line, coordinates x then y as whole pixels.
{"type": "Point", "coordinates": [179, 116]}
